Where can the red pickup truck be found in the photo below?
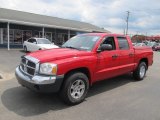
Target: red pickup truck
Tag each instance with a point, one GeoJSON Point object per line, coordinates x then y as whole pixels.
{"type": "Point", "coordinates": [80, 62]}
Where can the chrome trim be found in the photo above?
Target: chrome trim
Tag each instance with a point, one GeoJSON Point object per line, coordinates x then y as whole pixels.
{"type": "Point", "coordinates": [20, 67]}
{"type": "Point", "coordinates": [37, 79]}
{"type": "Point", "coordinates": [27, 65]}
{"type": "Point", "coordinates": [33, 60]}
{"type": "Point", "coordinates": [44, 79]}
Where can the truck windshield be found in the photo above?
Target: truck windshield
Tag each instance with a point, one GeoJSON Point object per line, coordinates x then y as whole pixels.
{"type": "Point", "coordinates": [81, 42]}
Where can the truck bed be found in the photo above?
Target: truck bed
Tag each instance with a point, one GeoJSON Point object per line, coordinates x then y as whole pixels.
{"type": "Point", "coordinates": [143, 51]}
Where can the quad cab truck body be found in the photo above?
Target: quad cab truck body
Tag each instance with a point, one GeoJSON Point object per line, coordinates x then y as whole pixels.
{"type": "Point", "coordinates": [82, 61]}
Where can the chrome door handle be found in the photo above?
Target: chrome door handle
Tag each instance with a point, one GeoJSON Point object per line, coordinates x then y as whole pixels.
{"type": "Point", "coordinates": [115, 56]}
{"type": "Point", "coordinates": [131, 54]}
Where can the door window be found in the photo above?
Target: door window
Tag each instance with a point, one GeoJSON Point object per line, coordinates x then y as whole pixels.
{"type": "Point", "coordinates": [34, 41]}
{"type": "Point", "coordinates": [110, 40]}
{"type": "Point", "coordinates": [123, 43]}
{"type": "Point", "coordinates": [31, 40]}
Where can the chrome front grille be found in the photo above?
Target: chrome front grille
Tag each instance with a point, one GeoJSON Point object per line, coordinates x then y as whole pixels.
{"type": "Point", "coordinates": [27, 66]}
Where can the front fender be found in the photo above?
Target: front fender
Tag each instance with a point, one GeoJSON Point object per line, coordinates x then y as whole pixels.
{"type": "Point", "coordinates": [66, 65]}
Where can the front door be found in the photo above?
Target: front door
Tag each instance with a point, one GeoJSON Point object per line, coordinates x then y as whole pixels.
{"type": "Point", "coordinates": [108, 61]}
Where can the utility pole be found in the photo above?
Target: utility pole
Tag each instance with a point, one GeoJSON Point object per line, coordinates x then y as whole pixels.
{"type": "Point", "coordinates": [127, 22]}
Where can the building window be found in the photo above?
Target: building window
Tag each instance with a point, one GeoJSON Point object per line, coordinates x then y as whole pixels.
{"type": "Point", "coordinates": [1, 36]}
{"type": "Point", "coordinates": [5, 36]}
{"type": "Point", "coordinates": [18, 37]}
{"type": "Point", "coordinates": [36, 34]}
{"type": "Point", "coordinates": [48, 35]}
{"type": "Point", "coordinates": [27, 34]}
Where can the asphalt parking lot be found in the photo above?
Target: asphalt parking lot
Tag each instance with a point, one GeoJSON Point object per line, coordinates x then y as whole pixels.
{"type": "Point", "coordinates": [116, 99]}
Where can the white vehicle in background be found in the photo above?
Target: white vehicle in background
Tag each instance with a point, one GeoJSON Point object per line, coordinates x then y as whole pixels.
{"type": "Point", "coordinates": [134, 44]}
{"type": "Point", "coordinates": [140, 44]}
{"type": "Point", "coordinates": [151, 44]}
{"type": "Point", "coordinates": [34, 44]}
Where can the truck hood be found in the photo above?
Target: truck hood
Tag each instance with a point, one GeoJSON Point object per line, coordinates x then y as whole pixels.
{"type": "Point", "coordinates": [57, 54]}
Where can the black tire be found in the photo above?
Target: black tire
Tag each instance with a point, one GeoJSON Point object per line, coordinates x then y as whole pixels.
{"type": "Point", "coordinates": [67, 91]}
{"type": "Point", "coordinates": [25, 49]}
{"type": "Point", "coordinates": [137, 74]}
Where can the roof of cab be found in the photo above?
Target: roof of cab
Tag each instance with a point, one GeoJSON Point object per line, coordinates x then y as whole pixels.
{"type": "Point", "coordinates": [104, 34]}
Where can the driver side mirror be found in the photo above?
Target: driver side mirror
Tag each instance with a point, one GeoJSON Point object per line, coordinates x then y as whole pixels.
{"type": "Point", "coordinates": [34, 42]}
{"type": "Point", "coordinates": [104, 47]}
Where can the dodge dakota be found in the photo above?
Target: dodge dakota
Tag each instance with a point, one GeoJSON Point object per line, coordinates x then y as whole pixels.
{"type": "Point", "coordinates": [80, 62]}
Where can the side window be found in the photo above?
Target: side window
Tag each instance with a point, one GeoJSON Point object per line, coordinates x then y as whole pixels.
{"type": "Point", "coordinates": [33, 40]}
{"type": "Point", "coordinates": [123, 43]}
{"type": "Point", "coordinates": [30, 40]}
{"type": "Point", "coordinates": [110, 40]}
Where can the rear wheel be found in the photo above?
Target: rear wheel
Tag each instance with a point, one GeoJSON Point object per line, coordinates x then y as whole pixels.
{"type": "Point", "coordinates": [140, 72]}
{"type": "Point", "coordinates": [75, 88]}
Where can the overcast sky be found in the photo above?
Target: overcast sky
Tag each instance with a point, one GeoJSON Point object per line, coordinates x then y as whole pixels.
{"type": "Point", "coordinates": [109, 14]}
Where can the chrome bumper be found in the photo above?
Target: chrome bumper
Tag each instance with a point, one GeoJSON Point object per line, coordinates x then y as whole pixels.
{"type": "Point", "coordinates": [38, 82]}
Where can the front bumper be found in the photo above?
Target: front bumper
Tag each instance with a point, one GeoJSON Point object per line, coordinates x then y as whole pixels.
{"type": "Point", "coordinates": [39, 83]}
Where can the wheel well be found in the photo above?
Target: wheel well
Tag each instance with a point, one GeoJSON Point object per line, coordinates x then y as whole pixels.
{"type": "Point", "coordinates": [144, 60]}
{"type": "Point", "coordinates": [82, 69]}
{"type": "Point", "coordinates": [25, 47]}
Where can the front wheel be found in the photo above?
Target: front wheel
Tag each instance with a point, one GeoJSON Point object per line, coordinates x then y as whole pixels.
{"type": "Point", "coordinates": [140, 72]}
{"type": "Point", "coordinates": [75, 88]}
{"type": "Point", "coordinates": [25, 49]}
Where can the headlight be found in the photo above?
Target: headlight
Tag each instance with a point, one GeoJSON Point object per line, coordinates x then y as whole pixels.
{"type": "Point", "coordinates": [48, 68]}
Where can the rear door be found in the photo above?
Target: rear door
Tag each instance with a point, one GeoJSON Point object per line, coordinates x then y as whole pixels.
{"type": "Point", "coordinates": [126, 55]}
{"type": "Point", "coordinates": [108, 61]}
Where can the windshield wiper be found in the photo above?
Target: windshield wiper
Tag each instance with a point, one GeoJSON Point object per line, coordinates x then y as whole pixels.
{"type": "Point", "coordinates": [70, 47]}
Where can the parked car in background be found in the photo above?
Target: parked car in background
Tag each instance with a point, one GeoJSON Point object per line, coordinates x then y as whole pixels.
{"type": "Point", "coordinates": [146, 42]}
{"type": "Point", "coordinates": [134, 44]}
{"type": "Point", "coordinates": [140, 44]}
{"type": "Point", "coordinates": [34, 44]}
{"type": "Point", "coordinates": [151, 44]}
{"type": "Point", "coordinates": [156, 47]}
